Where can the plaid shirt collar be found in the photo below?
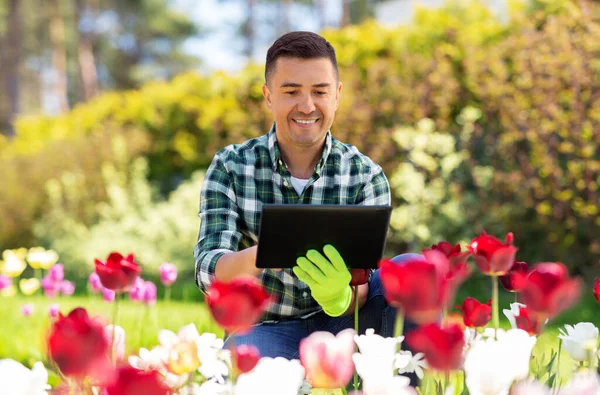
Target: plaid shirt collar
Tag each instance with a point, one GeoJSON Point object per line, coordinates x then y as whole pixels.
{"type": "Point", "coordinates": [277, 159]}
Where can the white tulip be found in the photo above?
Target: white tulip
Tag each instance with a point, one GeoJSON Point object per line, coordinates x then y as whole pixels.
{"type": "Point", "coordinates": [529, 387]}
{"type": "Point", "coordinates": [377, 355]}
{"type": "Point", "coordinates": [396, 385]}
{"type": "Point", "coordinates": [118, 341]}
{"type": "Point", "coordinates": [492, 365]}
{"type": "Point", "coordinates": [583, 383]}
{"type": "Point", "coordinates": [514, 311]}
{"type": "Point", "coordinates": [16, 379]}
{"type": "Point", "coordinates": [272, 376]}
{"type": "Point", "coordinates": [207, 388]}
{"type": "Point", "coordinates": [580, 341]}
{"type": "Point", "coordinates": [406, 362]}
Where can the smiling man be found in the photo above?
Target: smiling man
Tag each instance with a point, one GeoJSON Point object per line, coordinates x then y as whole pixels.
{"type": "Point", "coordinates": [298, 161]}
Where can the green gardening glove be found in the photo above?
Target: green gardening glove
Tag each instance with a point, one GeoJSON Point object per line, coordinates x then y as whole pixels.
{"type": "Point", "coordinates": [328, 279]}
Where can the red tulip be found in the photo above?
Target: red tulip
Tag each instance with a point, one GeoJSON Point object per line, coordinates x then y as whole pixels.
{"type": "Point", "coordinates": [422, 286]}
{"type": "Point", "coordinates": [529, 323]}
{"type": "Point", "coordinates": [547, 289]}
{"type": "Point", "coordinates": [359, 276]}
{"type": "Point", "coordinates": [597, 289]}
{"type": "Point", "coordinates": [476, 314]}
{"type": "Point", "coordinates": [508, 280]}
{"type": "Point", "coordinates": [443, 347]}
{"type": "Point", "coordinates": [453, 252]}
{"type": "Point", "coordinates": [118, 273]}
{"type": "Point", "coordinates": [457, 261]}
{"type": "Point", "coordinates": [245, 357]}
{"type": "Point", "coordinates": [132, 381]}
{"type": "Point", "coordinates": [491, 256]}
{"type": "Point", "coordinates": [79, 347]}
{"type": "Point", "coordinates": [237, 305]}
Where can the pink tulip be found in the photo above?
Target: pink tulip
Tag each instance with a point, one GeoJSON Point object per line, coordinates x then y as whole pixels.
{"type": "Point", "coordinates": [49, 286]}
{"type": "Point", "coordinates": [95, 283]}
{"type": "Point", "coordinates": [149, 297]}
{"type": "Point", "coordinates": [27, 309]}
{"type": "Point", "coordinates": [67, 288]}
{"type": "Point", "coordinates": [108, 295]}
{"type": "Point", "coordinates": [5, 281]}
{"type": "Point", "coordinates": [136, 293]}
{"type": "Point", "coordinates": [119, 342]}
{"type": "Point", "coordinates": [54, 310]}
{"type": "Point", "coordinates": [328, 358]}
{"type": "Point", "coordinates": [168, 274]}
{"type": "Point", "coordinates": [57, 273]}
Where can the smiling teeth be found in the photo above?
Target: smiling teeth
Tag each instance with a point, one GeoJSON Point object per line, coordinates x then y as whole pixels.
{"type": "Point", "coordinates": [305, 122]}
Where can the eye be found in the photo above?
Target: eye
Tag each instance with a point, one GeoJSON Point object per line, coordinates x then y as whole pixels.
{"type": "Point", "coordinates": [290, 93]}
{"type": "Point", "coordinates": [321, 93]}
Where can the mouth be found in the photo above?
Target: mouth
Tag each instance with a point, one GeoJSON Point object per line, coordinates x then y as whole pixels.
{"type": "Point", "coordinates": [305, 123]}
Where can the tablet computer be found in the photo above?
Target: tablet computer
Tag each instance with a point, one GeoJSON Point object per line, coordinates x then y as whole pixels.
{"type": "Point", "coordinates": [288, 231]}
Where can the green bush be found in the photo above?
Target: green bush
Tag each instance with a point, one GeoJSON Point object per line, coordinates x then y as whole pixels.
{"type": "Point", "coordinates": [535, 78]}
{"type": "Point", "coordinates": [438, 190]}
{"type": "Point", "coordinates": [540, 93]}
{"type": "Point", "coordinates": [23, 196]}
{"type": "Point", "coordinates": [133, 219]}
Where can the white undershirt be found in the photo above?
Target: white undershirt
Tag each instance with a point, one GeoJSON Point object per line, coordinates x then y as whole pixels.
{"type": "Point", "coordinates": [299, 184]}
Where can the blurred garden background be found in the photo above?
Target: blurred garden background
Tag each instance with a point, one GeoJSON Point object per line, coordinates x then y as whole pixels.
{"type": "Point", "coordinates": [485, 115]}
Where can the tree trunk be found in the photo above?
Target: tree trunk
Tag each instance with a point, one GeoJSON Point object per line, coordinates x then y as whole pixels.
{"type": "Point", "coordinates": [284, 18]}
{"type": "Point", "coordinates": [321, 10]}
{"type": "Point", "coordinates": [85, 57]}
{"type": "Point", "coordinates": [249, 29]}
{"type": "Point", "coordinates": [59, 55]}
{"type": "Point", "coordinates": [9, 67]}
{"type": "Point", "coordinates": [345, 21]}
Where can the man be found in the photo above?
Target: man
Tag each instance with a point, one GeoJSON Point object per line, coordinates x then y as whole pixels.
{"type": "Point", "coordinates": [297, 161]}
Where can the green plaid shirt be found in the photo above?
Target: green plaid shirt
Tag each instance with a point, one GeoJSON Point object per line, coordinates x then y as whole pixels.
{"type": "Point", "coordinates": [243, 177]}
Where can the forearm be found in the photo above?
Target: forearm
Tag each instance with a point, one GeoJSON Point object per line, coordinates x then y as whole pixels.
{"type": "Point", "coordinates": [235, 264]}
{"type": "Point", "coordinates": [363, 292]}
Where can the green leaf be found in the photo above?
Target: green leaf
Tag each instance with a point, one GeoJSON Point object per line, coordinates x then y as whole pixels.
{"type": "Point", "coordinates": [550, 366]}
{"type": "Point", "coordinates": [54, 380]}
{"type": "Point", "coordinates": [550, 381]}
{"type": "Point", "coordinates": [439, 389]}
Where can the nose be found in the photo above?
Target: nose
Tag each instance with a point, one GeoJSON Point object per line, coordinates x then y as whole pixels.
{"type": "Point", "coordinates": [306, 104]}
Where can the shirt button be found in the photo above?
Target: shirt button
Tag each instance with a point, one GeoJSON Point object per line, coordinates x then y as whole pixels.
{"type": "Point", "coordinates": [285, 183]}
{"type": "Point", "coordinates": [305, 294]}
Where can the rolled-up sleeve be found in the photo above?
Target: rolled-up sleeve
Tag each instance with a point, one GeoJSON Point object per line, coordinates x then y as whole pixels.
{"type": "Point", "coordinates": [219, 228]}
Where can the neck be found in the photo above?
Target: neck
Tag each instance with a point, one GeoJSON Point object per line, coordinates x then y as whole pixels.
{"type": "Point", "coordinates": [300, 161]}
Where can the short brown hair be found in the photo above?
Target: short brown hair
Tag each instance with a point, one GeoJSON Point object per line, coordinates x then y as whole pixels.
{"type": "Point", "coordinates": [303, 45]}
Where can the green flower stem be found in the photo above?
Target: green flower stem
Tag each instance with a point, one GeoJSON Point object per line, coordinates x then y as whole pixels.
{"type": "Point", "coordinates": [399, 326]}
{"type": "Point", "coordinates": [591, 356]}
{"type": "Point", "coordinates": [114, 329]}
{"type": "Point", "coordinates": [167, 294]}
{"type": "Point", "coordinates": [556, 378]}
{"type": "Point", "coordinates": [495, 318]}
{"type": "Point", "coordinates": [446, 381]}
{"type": "Point", "coordinates": [355, 379]}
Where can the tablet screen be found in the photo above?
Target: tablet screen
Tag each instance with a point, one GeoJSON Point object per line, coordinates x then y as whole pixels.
{"type": "Point", "coordinates": [288, 231]}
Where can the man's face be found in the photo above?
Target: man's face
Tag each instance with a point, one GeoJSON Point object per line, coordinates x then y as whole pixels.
{"type": "Point", "coordinates": [303, 96]}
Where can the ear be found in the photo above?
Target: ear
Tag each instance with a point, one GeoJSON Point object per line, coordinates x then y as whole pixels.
{"type": "Point", "coordinates": [267, 95]}
{"type": "Point", "coordinates": [338, 95]}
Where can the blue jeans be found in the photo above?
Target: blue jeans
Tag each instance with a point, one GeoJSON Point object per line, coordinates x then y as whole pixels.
{"type": "Point", "coordinates": [282, 339]}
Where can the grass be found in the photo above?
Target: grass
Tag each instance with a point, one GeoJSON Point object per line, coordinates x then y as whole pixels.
{"type": "Point", "coordinates": [23, 338]}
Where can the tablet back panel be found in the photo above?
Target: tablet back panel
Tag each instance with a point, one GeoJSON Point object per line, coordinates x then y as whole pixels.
{"type": "Point", "coordinates": [287, 231]}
